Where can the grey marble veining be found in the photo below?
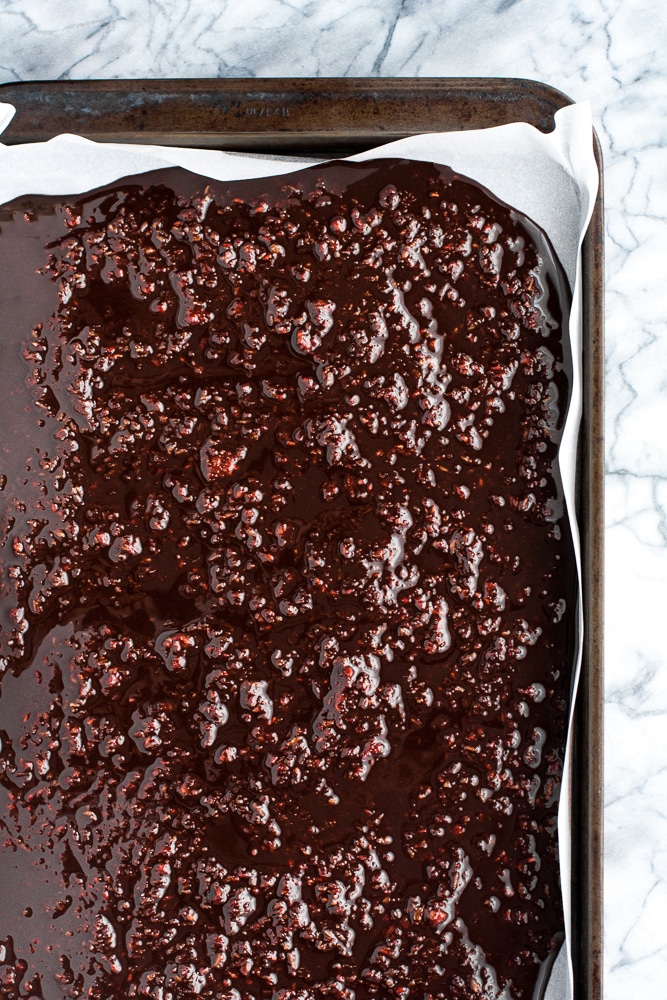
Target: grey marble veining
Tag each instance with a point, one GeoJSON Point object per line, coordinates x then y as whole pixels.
{"type": "Point", "coordinates": [607, 51]}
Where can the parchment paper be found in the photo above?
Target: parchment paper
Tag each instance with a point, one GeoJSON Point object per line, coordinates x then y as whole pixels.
{"type": "Point", "coordinates": [552, 178]}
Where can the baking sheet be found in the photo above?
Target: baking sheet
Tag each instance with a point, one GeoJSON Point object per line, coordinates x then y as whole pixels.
{"type": "Point", "coordinates": [550, 177]}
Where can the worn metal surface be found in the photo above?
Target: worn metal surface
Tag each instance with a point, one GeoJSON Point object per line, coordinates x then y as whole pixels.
{"type": "Point", "coordinates": [283, 115]}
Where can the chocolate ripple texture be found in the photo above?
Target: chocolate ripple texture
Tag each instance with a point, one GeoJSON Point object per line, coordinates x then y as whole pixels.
{"type": "Point", "coordinates": [288, 598]}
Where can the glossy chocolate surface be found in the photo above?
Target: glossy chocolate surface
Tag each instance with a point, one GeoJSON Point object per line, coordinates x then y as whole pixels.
{"type": "Point", "coordinates": [288, 605]}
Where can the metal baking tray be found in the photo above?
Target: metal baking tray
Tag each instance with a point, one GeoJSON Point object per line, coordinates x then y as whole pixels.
{"type": "Point", "coordinates": [336, 117]}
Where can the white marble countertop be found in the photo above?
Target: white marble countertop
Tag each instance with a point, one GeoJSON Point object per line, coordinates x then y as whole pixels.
{"type": "Point", "coordinates": [613, 54]}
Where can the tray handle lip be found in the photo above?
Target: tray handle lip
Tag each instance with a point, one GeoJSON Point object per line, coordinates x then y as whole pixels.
{"type": "Point", "coordinates": [222, 106]}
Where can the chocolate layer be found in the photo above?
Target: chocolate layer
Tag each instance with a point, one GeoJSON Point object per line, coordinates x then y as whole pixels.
{"type": "Point", "coordinates": [288, 606]}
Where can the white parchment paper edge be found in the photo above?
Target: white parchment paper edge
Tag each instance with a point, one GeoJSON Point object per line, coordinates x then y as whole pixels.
{"type": "Point", "coordinates": [552, 178]}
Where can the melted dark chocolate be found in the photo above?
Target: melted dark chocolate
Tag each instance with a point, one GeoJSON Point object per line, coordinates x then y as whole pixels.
{"type": "Point", "coordinates": [288, 592]}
